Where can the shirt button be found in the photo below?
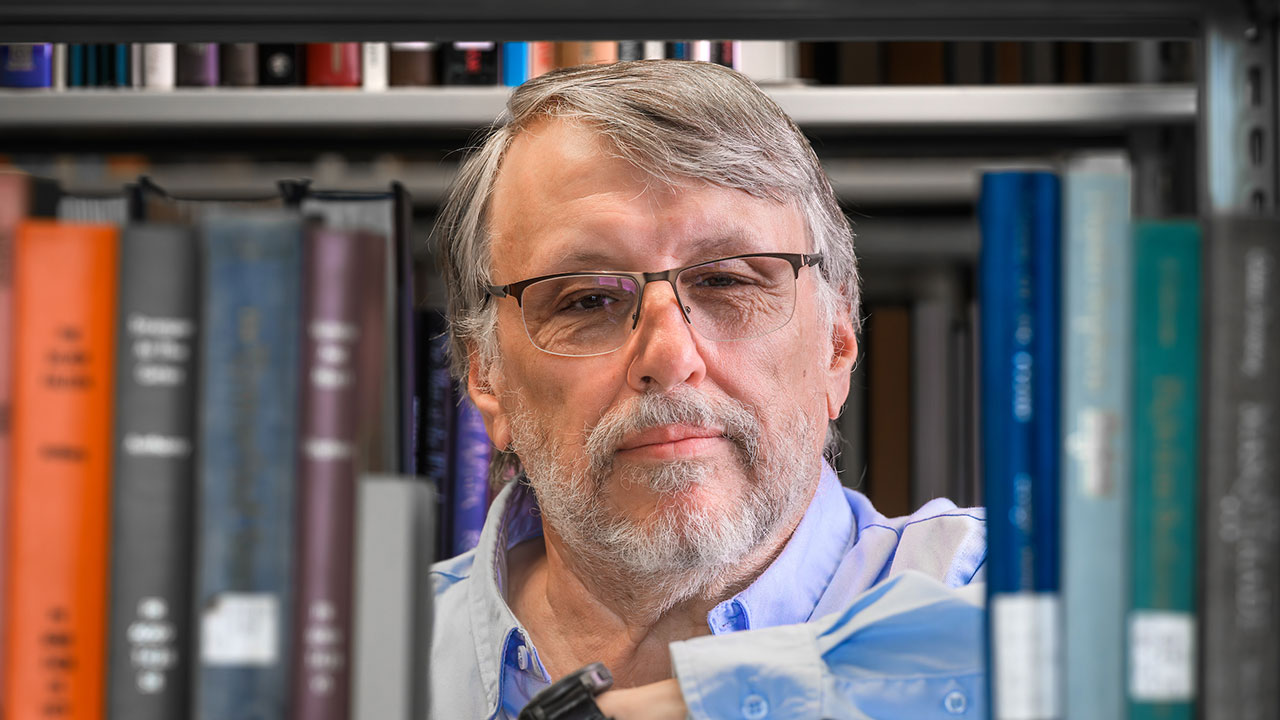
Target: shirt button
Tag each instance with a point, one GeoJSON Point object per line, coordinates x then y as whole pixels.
{"type": "Point", "coordinates": [754, 707]}
{"type": "Point", "coordinates": [522, 657]}
{"type": "Point", "coordinates": [955, 702]}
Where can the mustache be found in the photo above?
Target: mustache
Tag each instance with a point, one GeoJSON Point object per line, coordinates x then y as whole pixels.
{"type": "Point", "coordinates": [681, 405]}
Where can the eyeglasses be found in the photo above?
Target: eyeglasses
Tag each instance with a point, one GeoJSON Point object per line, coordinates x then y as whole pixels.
{"type": "Point", "coordinates": [591, 313]}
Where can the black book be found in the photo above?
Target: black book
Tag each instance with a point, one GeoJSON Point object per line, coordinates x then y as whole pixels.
{"type": "Point", "coordinates": [282, 64]}
{"type": "Point", "coordinates": [469, 63]}
{"type": "Point", "coordinates": [1241, 552]}
{"type": "Point", "coordinates": [238, 64]}
{"type": "Point", "coordinates": [149, 626]}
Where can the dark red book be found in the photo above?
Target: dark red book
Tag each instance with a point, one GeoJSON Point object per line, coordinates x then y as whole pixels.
{"type": "Point", "coordinates": [333, 64]}
{"type": "Point", "coordinates": [343, 346]}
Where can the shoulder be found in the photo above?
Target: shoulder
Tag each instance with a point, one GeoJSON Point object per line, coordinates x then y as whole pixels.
{"type": "Point", "coordinates": [945, 542]}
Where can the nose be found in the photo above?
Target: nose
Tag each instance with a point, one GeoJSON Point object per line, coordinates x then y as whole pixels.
{"type": "Point", "coordinates": [663, 348]}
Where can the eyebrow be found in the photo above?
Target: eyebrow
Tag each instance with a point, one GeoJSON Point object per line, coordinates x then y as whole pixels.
{"type": "Point", "coordinates": [700, 249]}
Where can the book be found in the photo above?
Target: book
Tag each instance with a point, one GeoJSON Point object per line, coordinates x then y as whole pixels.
{"type": "Point", "coordinates": [159, 68]}
{"type": "Point", "coordinates": [860, 63]}
{"type": "Point", "coordinates": [469, 502]}
{"type": "Point", "coordinates": [1096, 424]}
{"type": "Point", "coordinates": [153, 473]}
{"type": "Point", "coordinates": [111, 208]}
{"type": "Point", "coordinates": [629, 50]}
{"type": "Point", "coordinates": [281, 64]}
{"type": "Point", "coordinates": [343, 300]}
{"type": "Point", "coordinates": [59, 66]}
{"type": "Point", "coordinates": [196, 65]}
{"type": "Point", "coordinates": [515, 63]}
{"type": "Point", "coordinates": [238, 64]}
{"type": "Point", "coordinates": [247, 432]}
{"type": "Point", "coordinates": [1240, 492]}
{"type": "Point", "coordinates": [394, 551]}
{"type": "Point", "coordinates": [469, 63]}
{"type": "Point", "coordinates": [122, 56]}
{"type": "Point", "coordinates": [888, 351]}
{"type": "Point", "coordinates": [966, 63]}
{"type": "Point", "coordinates": [915, 63]}
{"type": "Point", "coordinates": [135, 65]}
{"type": "Point", "coordinates": [333, 64]}
{"type": "Point", "coordinates": [438, 401]}
{"type": "Point", "coordinates": [768, 62]}
{"type": "Point", "coordinates": [413, 64]}
{"type": "Point", "coordinates": [76, 66]}
{"type": "Point", "coordinates": [1018, 270]}
{"type": "Point", "coordinates": [26, 65]}
{"type": "Point", "coordinates": [1162, 620]}
{"type": "Point", "coordinates": [725, 52]}
{"type": "Point", "coordinates": [155, 204]}
{"type": "Point", "coordinates": [932, 397]}
{"type": "Point", "coordinates": [64, 290]}
{"type": "Point", "coordinates": [387, 216]}
{"type": "Point", "coordinates": [542, 58]}
{"type": "Point", "coordinates": [570, 54]}
{"type": "Point", "coordinates": [374, 70]}
{"type": "Point", "coordinates": [1008, 62]}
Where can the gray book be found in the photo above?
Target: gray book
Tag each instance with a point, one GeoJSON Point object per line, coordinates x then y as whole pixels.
{"type": "Point", "coordinates": [1240, 661]}
{"type": "Point", "coordinates": [932, 319]}
{"type": "Point", "coordinates": [149, 626]}
{"type": "Point", "coordinates": [394, 549]}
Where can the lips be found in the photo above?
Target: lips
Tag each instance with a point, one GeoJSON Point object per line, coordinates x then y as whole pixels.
{"type": "Point", "coordinates": [666, 435]}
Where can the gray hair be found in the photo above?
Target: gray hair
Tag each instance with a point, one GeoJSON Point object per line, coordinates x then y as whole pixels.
{"type": "Point", "coordinates": [675, 120]}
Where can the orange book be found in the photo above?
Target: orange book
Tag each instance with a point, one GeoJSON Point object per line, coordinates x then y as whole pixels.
{"type": "Point", "coordinates": [64, 294]}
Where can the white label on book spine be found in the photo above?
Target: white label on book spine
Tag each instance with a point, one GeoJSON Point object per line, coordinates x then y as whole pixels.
{"type": "Point", "coordinates": [1162, 656]}
{"type": "Point", "coordinates": [1026, 657]}
{"type": "Point", "coordinates": [241, 629]}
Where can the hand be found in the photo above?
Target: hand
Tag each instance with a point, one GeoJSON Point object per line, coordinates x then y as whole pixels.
{"type": "Point", "coordinates": [657, 701]}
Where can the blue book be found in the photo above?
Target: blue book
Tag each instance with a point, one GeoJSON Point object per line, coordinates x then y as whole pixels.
{"type": "Point", "coordinates": [1019, 306]}
{"type": "Point", "coordinates": [75, 65]}
{"type": "Point", "coordinates": [123, 76]}
{"type": "Point", "coordinates": [247, 467]}
{"type": "Point", "coordinates": [1096, 425]}
{"type": "Point", "coordinates": [515, 63]}
{"type": "Point", "coordinates": [471, 453]}
{"type": "Point", "coordinates": [26, 65]}
{"type": "Point", "coordinates": [437, 403]}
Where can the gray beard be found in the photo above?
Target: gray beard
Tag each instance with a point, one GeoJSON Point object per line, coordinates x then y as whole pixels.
{"type": "Point", "coordinates": [681, 550]}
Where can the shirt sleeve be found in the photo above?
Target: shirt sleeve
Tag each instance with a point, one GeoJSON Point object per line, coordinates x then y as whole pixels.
{"type": "Point", "coordinates": [908, 647]}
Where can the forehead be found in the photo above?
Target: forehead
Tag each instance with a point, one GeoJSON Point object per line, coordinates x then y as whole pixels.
{"type": "Point", "coordinates": [564, 200]}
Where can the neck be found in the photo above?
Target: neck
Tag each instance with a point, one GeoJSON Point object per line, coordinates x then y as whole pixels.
{"type": "Point", "coordinates": [579, 611]}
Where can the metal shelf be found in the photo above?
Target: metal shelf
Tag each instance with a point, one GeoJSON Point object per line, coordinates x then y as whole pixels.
{"type": "Point", "coordinates": [941, 107]}
{"type": "Point", "coordinates": [327, 20]}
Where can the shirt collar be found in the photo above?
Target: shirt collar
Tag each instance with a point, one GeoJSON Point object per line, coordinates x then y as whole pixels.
{"type": "Point", "coordinates": [788, 591]}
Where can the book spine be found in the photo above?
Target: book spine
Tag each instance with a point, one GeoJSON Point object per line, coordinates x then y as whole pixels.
{"type": "Point", "coordinates": [59, 66]}
{"type": "Point", "coordinates": [374, 69]}
{"type": "Point", "coordinates": [515, 63]}
{"type": "Point", "coordinates": [64, 301]}
{"type": "Point", "coordinates": [438, 401]}
{"type": "Point", "coordinates": [469, 63]}
{"type": "Point", "coordinates": [246, 468]}
{"type": "Point", "coordinates": [413, 64]}
{"type": "Point", "coordinates": [542, 58]}
{"type": "Point", "coordinates": [15, 202]}
{"type": "Point", "coordinates": [26, 65]}
{"type": "Point", "coordinates": [281, 64]}
{"type": "Point", "coordinates": [1012, 219]}
{"type": "Point", "coordinates": [238, 64]}
{"type": "Point", "coordinates": [197, 64]}
{"type": "Point", "coordinates": [1242, 461]}
{"type": "Point", "coordinates": [471, 454]}
{"type": "Point", "coordinates": [75, 65]}
{"type": "Point", "coordinates": [333, 64]}
{"type": "Point", "coordinates": [123, 70]}
{"type": "Point", "coordinates": [767, 61]}
{"type": "Point", "coordinates": [136, 66]}
{"type": "Point", "coordinates": [394, 549]}
{"type": "Point", "coordinates": [90, 65]}
{"type": "Point", "coordinates": [1161, 622]}
{"type": "Point", "coordinates": [725, 52]}
{"type": "Point", "coordinates": [159, 66]}
{"type": "Point", "coordinates": [629, 50]}
{"type": "Point", "coordinates": [343, 279]}
{"type": "Point", "coordinates": [152, 490]}
{"type": "Point", "coordinates": [1096, 352]}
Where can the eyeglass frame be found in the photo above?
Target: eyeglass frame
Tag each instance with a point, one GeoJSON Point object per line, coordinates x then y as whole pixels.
{"type": "Point", "coordinates": [641, 279]}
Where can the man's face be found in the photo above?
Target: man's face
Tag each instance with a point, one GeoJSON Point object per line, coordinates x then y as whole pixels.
{"type": "Point", "coordinates": [700, 440]}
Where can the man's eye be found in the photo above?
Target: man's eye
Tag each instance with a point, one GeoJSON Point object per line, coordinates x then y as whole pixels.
{"type": "Point", "coordinates": [721, 280]}
{"type": "Point", "coordinates": [587, 302]}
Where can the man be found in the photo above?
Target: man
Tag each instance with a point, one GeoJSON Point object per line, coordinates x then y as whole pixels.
{"type": "Point", "coordinates": [654, 302]}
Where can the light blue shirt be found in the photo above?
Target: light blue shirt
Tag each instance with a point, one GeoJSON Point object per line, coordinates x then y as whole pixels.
{"type": "Point", "coordinates": [860, 616]}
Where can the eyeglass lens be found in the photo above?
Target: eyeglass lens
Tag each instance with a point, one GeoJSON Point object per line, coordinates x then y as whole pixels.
{"type": "Point", "coordinates": [591, 314]}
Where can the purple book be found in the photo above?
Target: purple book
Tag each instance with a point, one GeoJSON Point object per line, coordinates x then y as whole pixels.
{"type": "Point", "coordinates": [344, 276]}
{"type": "Point", "coordinates": [471, 451]}
{"type": "Point", "coordinates": [197, 65]}
{"type": "Point", "coordinates": [26, 65]}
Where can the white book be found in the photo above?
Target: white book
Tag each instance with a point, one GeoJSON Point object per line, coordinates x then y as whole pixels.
{"type": "Point", "coordinates": [700, 50]}
{"type": "Point", "coordinates": [374, 67]}
{"type": "Point", "coordinates": [394, 550]}
{"type": "Point", "coordinates": [158, 66]}
{"type": "Point", "coordinates": [768, 61]}
{"type": "Point", "coordinates": [59, 66]}
{"type": "Point", "coordinates": [136, 79]}
{"type": "Point", "coordinates": [654, 50]}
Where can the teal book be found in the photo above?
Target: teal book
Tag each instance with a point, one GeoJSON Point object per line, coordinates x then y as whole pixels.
{"type": "Point", "coordinates": [1166, 369]}
{"type": "Point", "coordinates": [1097, 338]}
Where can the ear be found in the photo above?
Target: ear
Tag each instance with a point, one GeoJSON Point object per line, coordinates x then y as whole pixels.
{"type": "Point", "coordinates": [485, 396]}
{"type": "Point", "coordinates": [844, 352]}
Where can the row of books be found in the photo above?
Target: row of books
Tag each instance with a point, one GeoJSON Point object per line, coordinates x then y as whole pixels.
{"type": "Point", "coordinates": [377, 66]}
{"type": "Point", "coordinates": [206, 483]}
{"type": "Point", "coordinates": [1130, 379]}
{"type": "Point", "coordinates": [372, 66]}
